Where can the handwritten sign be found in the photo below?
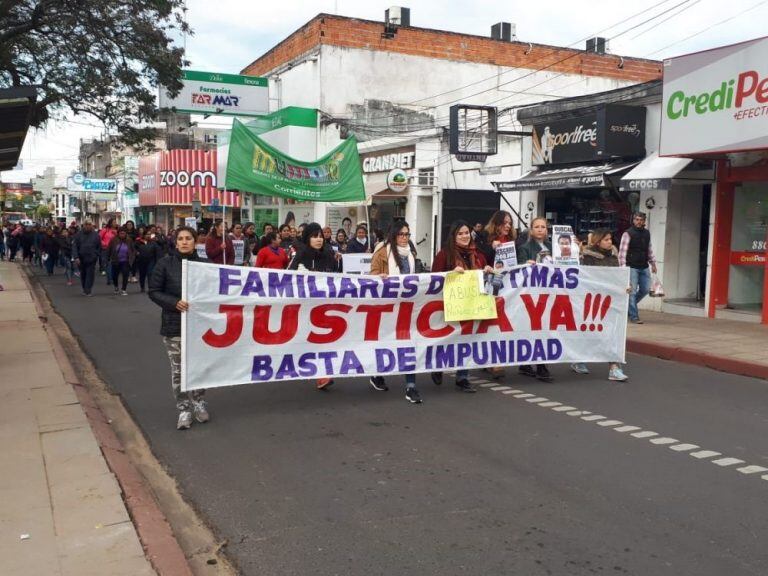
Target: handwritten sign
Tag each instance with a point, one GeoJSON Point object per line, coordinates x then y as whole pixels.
{"type": "Point", "coordinates": [465, 299]}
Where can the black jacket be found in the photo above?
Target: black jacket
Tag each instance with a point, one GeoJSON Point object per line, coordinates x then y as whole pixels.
{"type": "Point", "coordinates": [530, 250]}
{"type": "Point", "coordinates": [50, 246]}
{"type": "Point", "coordinates": [65, 246]}
{"type": "Point", "coordinates": [86, 247]}
{"type": "Point", "coordinates": [147, 252]}
{"type": "Point", "coordinates": [323, 260]}
{"type": "Point", "coordinates": [165, 291]}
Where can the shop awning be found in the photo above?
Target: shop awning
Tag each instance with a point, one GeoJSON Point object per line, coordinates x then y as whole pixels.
{"type": "Point", "coordinates": [654, 173]}
{"type": "Point", "coordinates": [585, 176]}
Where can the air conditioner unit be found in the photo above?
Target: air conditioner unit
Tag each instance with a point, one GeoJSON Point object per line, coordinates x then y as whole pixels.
{"type": "Point", "coordinates": [597, 45]}
{"type": "Point", "coordinates": [504, 31]}
{"type": "Point", "coordinates": [398, 16]}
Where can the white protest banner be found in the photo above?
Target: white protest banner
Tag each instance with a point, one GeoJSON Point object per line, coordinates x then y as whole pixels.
{"type": "Point", "coordinates": [357, 263]}
{"type": "Point", "coordinates": [506, 257]}
{"type": "Point", "coordinates": [247, 325]}
{"type": "Point", "coordinates": [201, 253]}
{"type": "Point", "coordinates": [565, 247]}
{"type": "Point", "coordinates": [191, 222]}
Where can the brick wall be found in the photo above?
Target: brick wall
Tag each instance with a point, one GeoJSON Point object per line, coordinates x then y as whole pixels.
{"type": "Point", "coordinates": [366, 34]}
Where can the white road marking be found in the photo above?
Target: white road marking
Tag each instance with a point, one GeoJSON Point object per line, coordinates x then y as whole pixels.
{"type": "Point", "coordinates": [705, 454]}
{"type": "Point", "coordinates": [627, 428]}
{"type": "Point", "coordinates": [683, 447]}
{"type": "Point", "coordinates": [727, 461]}
{"type": "Point", "coordinates": [663, 441]}
{"type": "Point", "coordinates": [752, 469]}
{"type": "Point", "coordinates": [671, 443]}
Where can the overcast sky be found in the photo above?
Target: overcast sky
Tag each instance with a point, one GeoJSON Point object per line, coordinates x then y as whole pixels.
{"type": "Point", "coordinates": [229, 34]}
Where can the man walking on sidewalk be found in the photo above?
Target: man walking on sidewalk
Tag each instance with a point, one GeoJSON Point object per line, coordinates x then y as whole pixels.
{"type": "Point", "coordinates": [636, 252]}
{"type": "Point", "coordinates": [86, 249]}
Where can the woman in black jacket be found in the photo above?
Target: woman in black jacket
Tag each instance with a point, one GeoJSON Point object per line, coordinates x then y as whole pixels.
{"type": "Point", "coordinates": [313, 254]}
{"type": "Point", "coordinates": [537, 250]}
{"type": "Point", "coordinates": [165, 291]}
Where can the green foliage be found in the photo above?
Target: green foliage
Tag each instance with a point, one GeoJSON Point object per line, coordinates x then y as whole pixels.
{"type": "Point", "coordinates": [104, 58]}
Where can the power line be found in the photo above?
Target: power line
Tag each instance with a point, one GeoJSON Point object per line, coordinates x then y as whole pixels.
{"type": "Point", "coordinates": [708, 28]}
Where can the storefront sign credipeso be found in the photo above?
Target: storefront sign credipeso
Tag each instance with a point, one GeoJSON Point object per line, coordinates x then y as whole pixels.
{"type": "Point", "coordinates": [611, 131]}
{"type": "Point", "coordinates": [716, 100]}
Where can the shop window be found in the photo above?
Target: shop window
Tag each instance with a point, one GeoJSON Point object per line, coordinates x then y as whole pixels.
{"type": "Point", "coordinates": [750, 229]}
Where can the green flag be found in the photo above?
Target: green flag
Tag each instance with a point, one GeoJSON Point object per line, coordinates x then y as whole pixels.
{"type": "Point", "coordinates": [255, 167]}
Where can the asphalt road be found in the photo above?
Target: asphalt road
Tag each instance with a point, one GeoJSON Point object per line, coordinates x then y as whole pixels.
{"type": "Point", "coordinates": [353, 481]}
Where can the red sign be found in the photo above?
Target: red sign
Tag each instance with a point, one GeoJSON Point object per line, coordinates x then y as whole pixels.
{"type": "Point", "coordinates": [174, 178]}
{"type": "Point", "coordinates": [748, 259]}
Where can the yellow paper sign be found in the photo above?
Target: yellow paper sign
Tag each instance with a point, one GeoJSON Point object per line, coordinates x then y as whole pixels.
{"type": "Point", "coordinates": [464, 299]}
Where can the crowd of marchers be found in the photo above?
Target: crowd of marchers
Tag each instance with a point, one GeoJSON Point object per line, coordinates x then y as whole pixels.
{"type": "Point", "coordinates": [146, 256]}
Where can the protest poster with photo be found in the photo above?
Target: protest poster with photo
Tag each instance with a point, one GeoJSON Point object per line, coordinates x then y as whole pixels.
{"type": "Point", "coordinates": [357, 263]}
{"type": "Point", "coordinates": [506, 257]}
{"type": "Point", "coordinates": [250, 325]}
{"type": "Point", "coordinates": [565, 246]}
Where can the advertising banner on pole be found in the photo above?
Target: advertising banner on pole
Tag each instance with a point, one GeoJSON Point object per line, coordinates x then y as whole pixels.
{"type": "Point", "coordinates": [250, 325]}
{"type": "Point", "coordinates": [256, 167]}
{"type": "Point", "coordinates": [215, 93]}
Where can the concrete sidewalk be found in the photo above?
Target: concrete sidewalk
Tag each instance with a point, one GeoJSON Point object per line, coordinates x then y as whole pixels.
{"type": "Point", "coordinates": [725, 345]}
{"type": "Point", "coordinates": [61, 509]}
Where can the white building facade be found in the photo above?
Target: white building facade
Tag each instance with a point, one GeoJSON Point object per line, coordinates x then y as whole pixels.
{"type": "Point", "coordinates": [392, 87]}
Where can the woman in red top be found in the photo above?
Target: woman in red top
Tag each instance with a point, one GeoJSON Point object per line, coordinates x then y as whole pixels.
{"type": "Point", "coordinates": [272, 256]}
{"type": "Point", "coordinates": [217, 243]}
{"type": "Point", "coordinates": [459, 254]}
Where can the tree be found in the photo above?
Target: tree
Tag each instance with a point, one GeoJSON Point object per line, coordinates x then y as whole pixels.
{"type": "Point", "coordinates": [103, 58]}
{"type": "Point", "coordinates": [42, 212]}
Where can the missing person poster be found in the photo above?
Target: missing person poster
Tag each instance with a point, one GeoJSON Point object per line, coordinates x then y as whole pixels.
{"type": "Point", "coordinates": [506, 257]}
{"type": "Point", "coordinates": [565, 246]}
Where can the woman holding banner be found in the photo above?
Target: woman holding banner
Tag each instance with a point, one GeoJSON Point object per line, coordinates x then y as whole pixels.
{"type": "Point", "coordinates": [538, 249]}
{"type": "Point", "coordinates": [165, 291]}
{"type": "Point", "coordinates": [459, 254]}
{"type": "Point", "coordinates": [314, 255]}
{"type": "Point", "coordinates": [601, 252]}
{"type": "Point", "coordinates": [217, 246]}
{"type": "Point", "coordinates": [396, 258]}
{"type": "Point", "coordinates": [498, 231]}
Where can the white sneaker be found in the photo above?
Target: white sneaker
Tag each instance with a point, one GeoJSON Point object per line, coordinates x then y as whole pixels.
{"type": "Point", "coordinates": [580, 368]}
{"type": "Point", "coordinates": [123, 293]}
{"type": "Point", "coordinates": [617, 375]}
{"type": "Point", "coordinates": [200, 408]}
{"type": "Point", "coordinates": [185, 420]}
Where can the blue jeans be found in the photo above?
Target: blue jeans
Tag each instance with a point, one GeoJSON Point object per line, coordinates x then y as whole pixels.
{"type": "Point", "coordinates": [640, 279]}
{"type": "Point", "coordinates": [67, 264]}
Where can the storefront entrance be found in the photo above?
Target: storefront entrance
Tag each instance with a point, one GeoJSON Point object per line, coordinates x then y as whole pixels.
{"type": "Point", "coordinates": [740, 257]}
